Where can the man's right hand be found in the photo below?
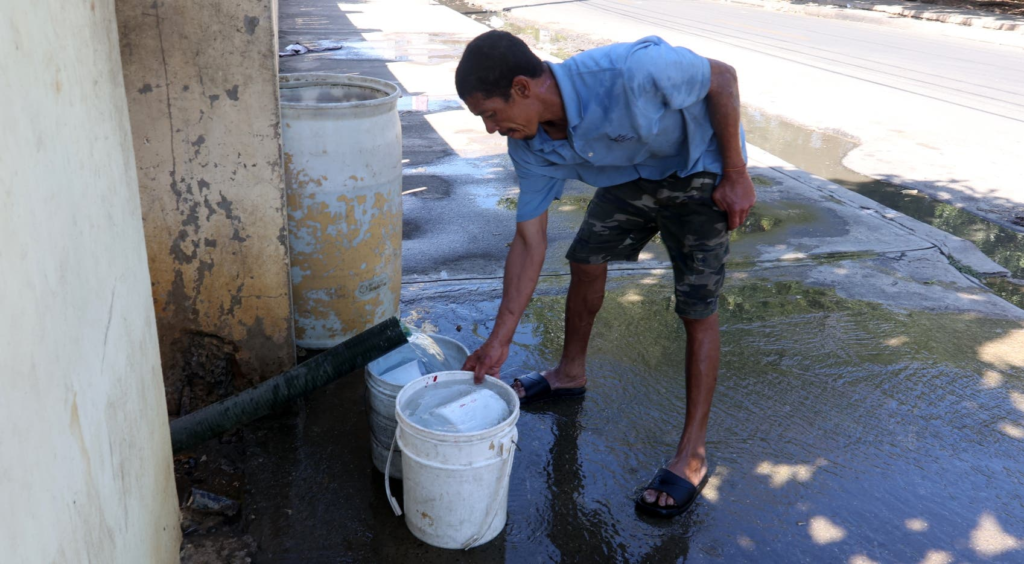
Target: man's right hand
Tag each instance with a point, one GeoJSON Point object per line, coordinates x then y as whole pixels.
{"type": "Point", "coordinates": [487, 360]}
{"type": "Point", "coordinates": [522, 269]}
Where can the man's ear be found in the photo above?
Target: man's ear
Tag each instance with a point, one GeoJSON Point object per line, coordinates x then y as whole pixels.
{"type": "Point", "coordinates": [521, 87]}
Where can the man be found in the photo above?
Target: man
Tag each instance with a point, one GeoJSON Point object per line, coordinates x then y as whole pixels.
{"type": "Point", "coordinates": [656, 128]}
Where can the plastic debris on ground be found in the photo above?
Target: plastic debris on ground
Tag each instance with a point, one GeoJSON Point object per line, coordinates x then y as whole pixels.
{"type": "Point", "coordinates": [207, 502]}
{"type": "Point", "coordinates": [293, 49]}
{"type": "Point", "coordinates": [312, 47]}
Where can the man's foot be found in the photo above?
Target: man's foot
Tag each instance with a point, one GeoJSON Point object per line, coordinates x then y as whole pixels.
{"type": "Point", "coordinates": [692, 468]}
{"type": "Point", "coordinates": [557, 379]}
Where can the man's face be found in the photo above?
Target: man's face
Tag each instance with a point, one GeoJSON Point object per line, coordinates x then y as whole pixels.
{"type": "Point", "coordinates": [515, 118]}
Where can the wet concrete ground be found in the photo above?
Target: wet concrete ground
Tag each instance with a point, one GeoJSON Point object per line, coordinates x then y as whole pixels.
{"type": "Point", "coordinates": [870, 406]}
{"type": "Point", "coordinates": [841, 430]}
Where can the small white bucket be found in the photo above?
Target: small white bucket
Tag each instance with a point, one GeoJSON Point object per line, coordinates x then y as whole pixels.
{"type": "Point", "coordinates": [380, 400]}
{"type": "Point", "coordinates": [455, 484]}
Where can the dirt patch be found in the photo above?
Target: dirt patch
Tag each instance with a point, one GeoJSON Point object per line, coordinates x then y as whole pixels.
{"type": "Point", "coordinates": [209, 533]}
{"type": "Point", "coordinates": [562, 42]}
{"type": "Point", "coordinates": [1008, 7]}
{"type": "Point", "coordinates": [1002, 7]}
{"type": "Point", "coordinates": [209, 550]}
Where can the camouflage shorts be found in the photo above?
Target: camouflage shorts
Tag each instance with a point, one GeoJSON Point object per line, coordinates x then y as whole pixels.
{"type": "Point", "coordinates": [622, 219]}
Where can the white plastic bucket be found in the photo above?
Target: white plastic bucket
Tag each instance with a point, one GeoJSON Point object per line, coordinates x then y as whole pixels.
{"type": "Point", "coordinates": [455, 484]}
{"type": "Point", "coordinates": [380, 402]}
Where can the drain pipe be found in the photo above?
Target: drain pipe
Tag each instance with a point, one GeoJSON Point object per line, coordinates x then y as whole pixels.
{"type": "Point", "coordinates": [328, 366]}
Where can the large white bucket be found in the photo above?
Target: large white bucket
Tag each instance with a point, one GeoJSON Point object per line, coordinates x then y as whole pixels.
{"type": "Point", "coordinates": [455, 485]}
{"type": "Point", "coordinates": [380, 402]}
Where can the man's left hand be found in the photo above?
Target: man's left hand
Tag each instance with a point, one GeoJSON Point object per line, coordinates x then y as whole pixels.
{"type": "Point", "coordinates": [735, 196]}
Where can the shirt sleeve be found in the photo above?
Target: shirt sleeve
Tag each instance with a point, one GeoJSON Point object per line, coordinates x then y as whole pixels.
{"type": "Point", "coordinates": [536, 190]}
{"type": "Point", "coordinates": [680, 76]}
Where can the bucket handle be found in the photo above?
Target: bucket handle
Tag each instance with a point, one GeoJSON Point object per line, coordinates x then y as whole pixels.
{"type": "Point", "coordinates": [503, 483]}
{"type": "Point", "coordinates": [387, 478]}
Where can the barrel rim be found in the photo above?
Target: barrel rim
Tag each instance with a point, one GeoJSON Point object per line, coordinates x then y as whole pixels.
{"type": "Point", "coordinates": [423, 432]}
{"type": "Point", "coordinates": [299, 80]}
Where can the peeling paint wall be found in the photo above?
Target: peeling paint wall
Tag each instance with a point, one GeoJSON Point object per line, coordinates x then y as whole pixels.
{"type": "Point", "coordinates": [85, 458]}
{"type": "Point", "coordinates": [201, 80]}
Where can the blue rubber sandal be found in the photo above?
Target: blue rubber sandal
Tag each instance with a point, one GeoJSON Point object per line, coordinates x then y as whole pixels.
{"type": "Point", "coordinates": [537, 389]}
{"type": "Point", "coordinates": [682, 492]}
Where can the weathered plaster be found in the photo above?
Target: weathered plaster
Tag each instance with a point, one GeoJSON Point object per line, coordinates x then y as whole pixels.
{"type": "Point", "coordinates": [201, 80]}
{"type": "Point", "coordinates": [86, 473]}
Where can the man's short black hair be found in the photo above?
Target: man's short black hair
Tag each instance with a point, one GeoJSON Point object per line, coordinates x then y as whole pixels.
{"type": "Point", "coordinates": [491, 62]}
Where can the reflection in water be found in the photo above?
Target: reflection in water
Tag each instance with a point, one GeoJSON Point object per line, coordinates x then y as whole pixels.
{"type": "Point", "coordinates": [768, 216]}
{"type": "Point", "coordinates": [822, 153]}
{"type": "Point", "coordinates": [711, 489]}
{"type": "Point", "coordinates": [843, 426]}
{"type": "Point", "coordinates": [545, 39]}
{"type": "Point", "coordinates": [577, 530]}
{"type": "Point", "coordinates": [938, 557]}
{"type": "Point", "coordinates": [989, 539]}
{"type": "Point", "coordinates": [781, 474]}
{"type": "Point", "coordinates": [1006, 352]}
{"type": "Point", "coordinates": [824, 531]}
{"type": "Point", "coordinates": [916, 525]}
{"type": "Point", "coordinates": [1011, 430]}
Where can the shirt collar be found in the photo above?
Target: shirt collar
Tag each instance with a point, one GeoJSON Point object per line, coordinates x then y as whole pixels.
{"type": "Point", "coordinates": [573, 115]}
{"type": "Point", "coordinates": [569, 98]}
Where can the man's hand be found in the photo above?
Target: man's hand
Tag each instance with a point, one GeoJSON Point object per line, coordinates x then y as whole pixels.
{"type": "Point", "coordinates": [522, 269]}
{"type": "Point", "coordinates": [735, 192]}
{"type": "Point", "coordinates": [487, 360]}
{"type": "Point", "coordinates": [735, 196]}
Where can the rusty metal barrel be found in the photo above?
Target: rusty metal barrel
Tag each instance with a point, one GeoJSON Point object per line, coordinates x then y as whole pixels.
{"type": "Point", "coordinates": [343, 175]}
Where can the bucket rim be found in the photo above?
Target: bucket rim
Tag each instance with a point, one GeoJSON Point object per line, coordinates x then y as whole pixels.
{"type": "Point", "coordinates": [380, 382]}
{"type": "Point", "coordinates": [450, 375]}
{"type": "Point", "coordinates": [299, 80]}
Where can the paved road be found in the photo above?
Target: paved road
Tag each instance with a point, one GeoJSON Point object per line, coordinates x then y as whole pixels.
{"type": "Point", "coordinates": [982, 77]}
{"type": "Point", "coordinates": [935, 106]}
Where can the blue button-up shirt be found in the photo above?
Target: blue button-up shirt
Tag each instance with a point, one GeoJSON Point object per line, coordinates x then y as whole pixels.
{"type": "Point", "coordinates": [635, 110]}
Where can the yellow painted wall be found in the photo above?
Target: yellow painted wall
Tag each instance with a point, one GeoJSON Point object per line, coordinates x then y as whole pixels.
{"type": "Point", "coordinates": [201, 81]}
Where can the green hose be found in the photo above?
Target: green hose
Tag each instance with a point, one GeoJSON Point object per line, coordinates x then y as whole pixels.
{"type": "Point", "coordinates": [264, 398]}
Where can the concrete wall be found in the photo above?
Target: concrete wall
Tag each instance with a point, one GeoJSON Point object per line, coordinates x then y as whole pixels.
{"type": "Point", "coordinates": [85, 456]}
{"type": "Point", "coordinates": [201, 80]}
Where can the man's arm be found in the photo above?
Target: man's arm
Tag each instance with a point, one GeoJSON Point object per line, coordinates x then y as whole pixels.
{"type": "Point", "coordinates": [735, 192]}
{"type": "Point", "coordinates": [522, 270]}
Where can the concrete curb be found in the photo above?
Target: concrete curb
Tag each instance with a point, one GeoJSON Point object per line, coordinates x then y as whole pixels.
{"type": "Point", "coordinates": [972, 18]}
{"type": "Point", "coordinates": [953, 247]}
{"type": "Point", "coordinates": [842, 9]}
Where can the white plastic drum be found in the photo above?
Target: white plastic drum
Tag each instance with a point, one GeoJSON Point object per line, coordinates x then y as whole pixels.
{"type": "Point", "coordinates": [343, 176]}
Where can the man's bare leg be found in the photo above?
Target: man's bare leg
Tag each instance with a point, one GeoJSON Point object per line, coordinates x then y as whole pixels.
{"type": "Point", "coordinates": [586, 294]}
{"type": "Point", "coordinates": [703, 350]}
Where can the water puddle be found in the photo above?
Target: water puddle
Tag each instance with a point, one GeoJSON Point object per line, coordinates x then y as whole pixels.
{"type": "Point", "coordinates": [798, 454]}
{"type": "Point", "coordinates": [545, 39]}
{"type": "Point", "coordinates": [767, 217]}
{"type": "Point", "coordinates": [822, 153]}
